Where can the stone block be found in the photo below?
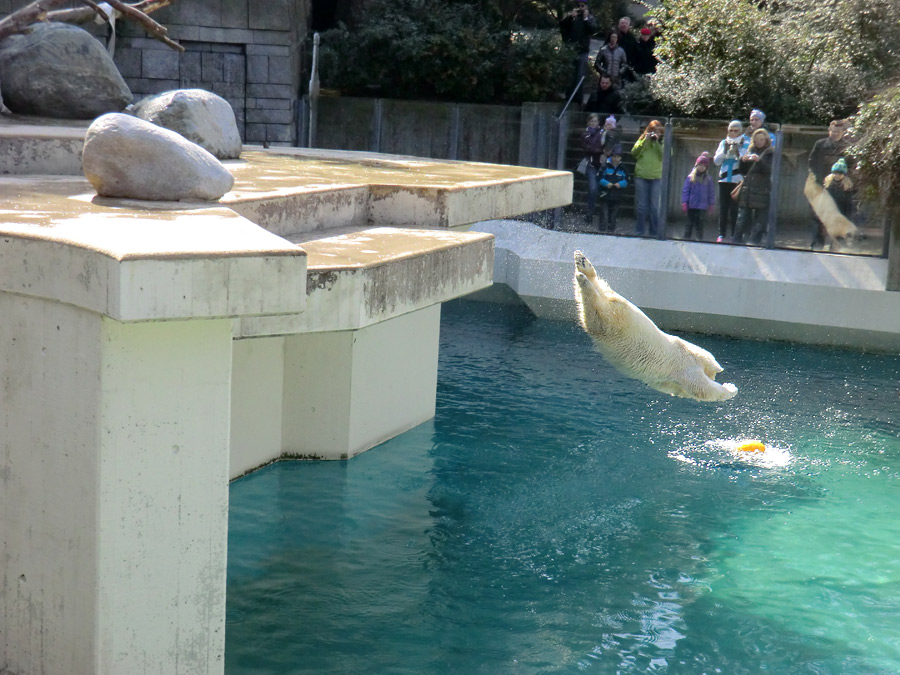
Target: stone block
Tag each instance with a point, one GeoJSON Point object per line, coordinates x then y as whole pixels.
{"type": "Point", "coordinates": [128, 61]}
{"type": "Point", "coordinates": [272, 15]}
{"type": "Point", "coordinates": [270, 91]}
{"type": "Point", "coordinates": [274, 103]}
{"type": "Point", "coordinates": [279, 132]}
{"type": "Point", "coordinates": [255, 133]}
{"type": "Point", "coordinates": [258, 69]}
{"type": "Point", "coordinates": [270, 116]}
{"type": "Point", "coordinates": [268, 50]}
{"type": "Point", "coordinates": [234, 13]}
{"type": "Point", "coordinates": [160, 64]}
{"type": "Point", "coordinates": [281, 70]}
{"type": "Point", "coordinates": [224, 35]}
{"type": "Point", "coordinates": [272, 38]}
{"type": "Point", "coordinates": [213, 67]}
{"type": "Point", "coordinates": [191, 72]}
{"type": "Point", "coordinates": [159, 86]}
{"type": "Point", "coordinates": [234, 68]}
{"type": "Point", "coordinates": [227, 48]}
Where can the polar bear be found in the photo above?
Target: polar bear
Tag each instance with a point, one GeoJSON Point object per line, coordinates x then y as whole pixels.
{"type": "Point", "coordinates": [632, 343]}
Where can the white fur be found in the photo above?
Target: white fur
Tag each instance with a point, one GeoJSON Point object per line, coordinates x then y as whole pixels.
{"type": "Point", "coordinates": [632, 343]}
{"type": "Point", "coordinates": [836, 224]}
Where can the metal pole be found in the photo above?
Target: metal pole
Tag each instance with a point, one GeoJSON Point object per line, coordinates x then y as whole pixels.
{"type": "Point", "coordinates": [562, 138]}
{"type": "Point", "coordinates": [376, 125]}
{"type": "Point", "coordinates": [773, 191]}
{"type": "Point", "coordinates": [666, 171]}
{"type": "Point", "coordinates": [314, 94]}
{"type": "Point", "coordinates": [566, 106]}
{"type": "Point", "coordinates": [454, 132]}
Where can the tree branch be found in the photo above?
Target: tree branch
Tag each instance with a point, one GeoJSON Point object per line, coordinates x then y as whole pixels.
{"type": "Point", "coordinates": [45, 10]}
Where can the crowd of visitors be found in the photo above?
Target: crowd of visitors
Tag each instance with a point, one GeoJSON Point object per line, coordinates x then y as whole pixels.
{"type": "Point", "coordinates": [736, 178]}
{"type": "Point", "coordinates": [623, 57]}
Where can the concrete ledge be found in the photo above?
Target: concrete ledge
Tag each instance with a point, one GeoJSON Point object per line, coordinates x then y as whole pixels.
{"type": "Point", "coordinates": [356, 280]}
{"type": "Point", "coordinates": [814, 298]}
{"type": "Point", "coordinates": [137, 261]}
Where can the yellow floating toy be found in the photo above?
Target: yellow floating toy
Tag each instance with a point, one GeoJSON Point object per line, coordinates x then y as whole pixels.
{"type": "Point", "coordinates": [751, 446]}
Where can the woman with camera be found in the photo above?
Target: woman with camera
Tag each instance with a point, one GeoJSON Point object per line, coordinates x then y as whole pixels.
{"type": "Point", "coordinates": [648, 154]}
{"type": "Point", "coordinates": [726, 158]}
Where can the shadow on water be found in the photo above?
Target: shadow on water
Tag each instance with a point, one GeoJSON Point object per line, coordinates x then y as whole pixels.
{"type": "Point", "coordinates": [556, 517]}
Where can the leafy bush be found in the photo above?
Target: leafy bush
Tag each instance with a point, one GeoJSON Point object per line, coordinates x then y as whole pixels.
{"type": "Point", "coordinates": [429, 49]}
{"type": "Point", "coordinates": [799, 61]}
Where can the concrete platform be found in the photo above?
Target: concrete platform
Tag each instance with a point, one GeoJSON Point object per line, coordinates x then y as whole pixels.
{"type": "Point", "coordinates": [153, 351]}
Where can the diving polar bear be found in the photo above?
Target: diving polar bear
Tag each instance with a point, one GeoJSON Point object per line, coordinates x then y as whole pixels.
{"type": "Point", "coordinates": [632, 343]}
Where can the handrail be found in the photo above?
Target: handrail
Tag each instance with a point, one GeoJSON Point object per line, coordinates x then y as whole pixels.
{"type": "Point", "coordinates": [574, 91]}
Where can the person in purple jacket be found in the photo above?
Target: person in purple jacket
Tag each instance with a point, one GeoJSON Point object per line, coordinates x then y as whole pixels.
{"type": "Point", "coordinates": [698, 196]}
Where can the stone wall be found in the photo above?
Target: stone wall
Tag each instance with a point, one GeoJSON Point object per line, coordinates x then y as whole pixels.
{"type": "Point", "coordinates": [249, 53]}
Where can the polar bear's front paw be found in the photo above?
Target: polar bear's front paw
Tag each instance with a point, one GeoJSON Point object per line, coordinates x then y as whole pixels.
{"type": "Point", "coordinates": [731, 389]}
{"type": "Point", "coordinates": [583, 265]}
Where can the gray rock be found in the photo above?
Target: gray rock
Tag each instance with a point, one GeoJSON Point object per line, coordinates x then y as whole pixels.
{"type": "Point", "coordinates": [198, 115]}
{"type": "Point", "coordinates": [127, 157]}
{"type": "Point", "coordinates": [61, 71]}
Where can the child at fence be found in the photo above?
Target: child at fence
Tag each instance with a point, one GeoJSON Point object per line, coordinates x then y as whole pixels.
{"type": "Point", "coordinates": [613, 180]}
{"type": "Point", "coordinates": [840, 187]}
{"type": "Point", "coordinates": [594, 145]}
{"type": "Point", "coordinates": [697, 197]}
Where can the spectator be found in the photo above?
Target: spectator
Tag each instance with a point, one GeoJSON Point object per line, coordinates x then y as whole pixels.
{"type": "Point", "coordinates": [824, 154]}
{"type": "Point", "coordinates": [698, 195]}
{"type": "Point", "coordinates": [840, 187]}
{"type": "Point", "coordinates": [757, 118]}
{"type": "Point", "coordinates": [627, 40]}
{"type": "Point", "coordinates": [612, 134]}
{"type": "Point", "coordinates": [613, 179]}
{"type": "Point", "coordinates": [756, 190]}
{"type": "Point", "coordinates": [607, 98]}
{"type": "Point", "coordinates": [611, 59]}
{"type": "Point", "coordinates": [644, 60]}
{"type": "Point", "coordinates": [577, 27]}
{"type": "Point", "coordinates": [648, 152]}
{"type": "Point", "coordinates": [726, 158]}
{"type": "Point", "coordinates": [595, 149]}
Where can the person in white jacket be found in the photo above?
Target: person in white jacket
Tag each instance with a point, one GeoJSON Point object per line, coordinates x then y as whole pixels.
{"type": "Point", "coordinates": [726, 158]}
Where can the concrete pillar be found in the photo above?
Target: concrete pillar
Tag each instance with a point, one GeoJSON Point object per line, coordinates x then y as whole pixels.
{"type": "Point", "coordinates": [113, 490]}
{"type": "Point", "coordinates": [346, 391]}
{"type": "Point", "coordinates": [257, 396]}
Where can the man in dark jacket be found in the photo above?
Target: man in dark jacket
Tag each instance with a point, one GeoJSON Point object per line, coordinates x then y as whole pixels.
{"type": "Point", "coordinates": [823, 156]}
{"type": "Point", "coordinates": [607, 98]}
{"type": "Point", "coordinates": [576, 28]}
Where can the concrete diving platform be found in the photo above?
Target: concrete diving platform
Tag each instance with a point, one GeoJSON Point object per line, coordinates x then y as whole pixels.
{"type": "Point", "coordinates": [153, 351]}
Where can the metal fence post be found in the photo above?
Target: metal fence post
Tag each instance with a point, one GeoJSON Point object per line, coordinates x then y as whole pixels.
{"type": "Point", "coordinates": [376, 125]}
{"type": "Point", "coordinates": [666, 176]}
{"type": "Point", "coordinates": [773, 191]}
{"type": "Point", "coordinates": [454, 132]}
{"type": "Point", "coordinates": [303, 122]}
{"type": "Point", "coordinates": [562, 138]}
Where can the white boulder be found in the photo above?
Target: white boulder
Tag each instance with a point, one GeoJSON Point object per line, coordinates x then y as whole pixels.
{"type": "Point", "coordinates": [198, 115]}
{"type": "Point", "coordinates": [127, 157]}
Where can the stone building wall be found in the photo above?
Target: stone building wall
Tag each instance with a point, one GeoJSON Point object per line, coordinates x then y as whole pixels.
{"type": "Point", "coordinates": [248, 52]}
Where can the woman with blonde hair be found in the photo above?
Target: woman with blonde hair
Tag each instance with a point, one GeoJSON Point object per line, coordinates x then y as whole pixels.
{"type": "Point", "coordinates": [648, 154]}
{"type": "Point", "coordinates": [756, 190]}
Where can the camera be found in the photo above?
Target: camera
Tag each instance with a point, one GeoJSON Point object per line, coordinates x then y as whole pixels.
{"type": "Point", "coordinates": [733, 149]}
{"type": "Point", "coordinates": [653, 136]}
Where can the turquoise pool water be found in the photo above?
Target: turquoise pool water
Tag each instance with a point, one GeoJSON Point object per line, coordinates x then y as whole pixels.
{"type": "Point", "coordinates": [556, 517]}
